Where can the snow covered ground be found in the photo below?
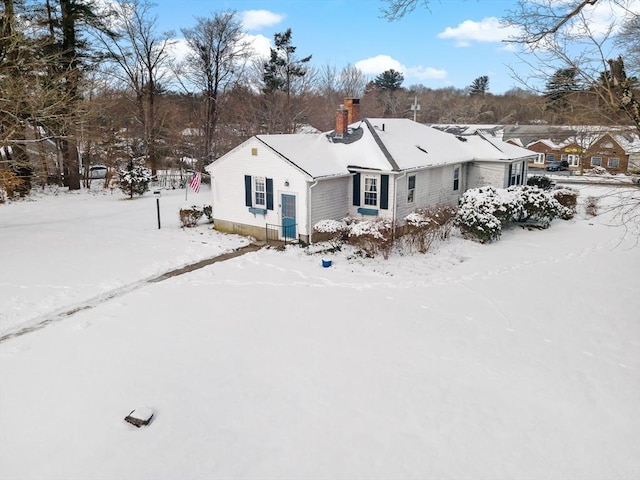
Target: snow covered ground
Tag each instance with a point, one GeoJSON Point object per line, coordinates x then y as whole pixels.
{"type": "Point", "coordinates": [519, 359]}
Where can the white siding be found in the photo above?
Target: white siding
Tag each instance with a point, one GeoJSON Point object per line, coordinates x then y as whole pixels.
{"type": "Point", "coordinates": [227, 185]}
{"type": "Point", "coordinates": [483, 174]}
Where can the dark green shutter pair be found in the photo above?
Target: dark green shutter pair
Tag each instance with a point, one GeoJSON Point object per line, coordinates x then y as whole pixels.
{"type": "Point", "coordinates": [248, 195]}
{"type": "Point", "coordinates": [384, 191]}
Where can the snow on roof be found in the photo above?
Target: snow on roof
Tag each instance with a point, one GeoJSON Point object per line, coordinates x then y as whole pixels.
{"type": "Point", "coordinates": [387, 144]}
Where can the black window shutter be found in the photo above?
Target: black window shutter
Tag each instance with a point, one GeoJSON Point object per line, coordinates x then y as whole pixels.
{"type": "Point", "coordinates": [510, 171]}
{"type": "Point", "coordinates": [384, 192]}
{"type": "Point", "coordinates": [269, 193]}
{"type": "Point", "coordinates": [248, 197]}
{"type": "Point", "coordinates": [356, 189]}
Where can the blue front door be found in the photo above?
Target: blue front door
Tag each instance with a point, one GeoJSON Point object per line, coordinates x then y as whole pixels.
{"type": "Point", "coordinates": [288, 216]}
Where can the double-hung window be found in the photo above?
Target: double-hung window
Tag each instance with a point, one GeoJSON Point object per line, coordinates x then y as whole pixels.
{"type": "Point", "coordinates": [411, 189]}
{"type": "Point", "coordinates": [456, 178]}
{"type": "Point", "coordinates": [259, 187]}
{"type": "Point", "coordinates": [371, 191]}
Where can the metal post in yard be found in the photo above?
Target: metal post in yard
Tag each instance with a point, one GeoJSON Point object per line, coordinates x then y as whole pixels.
{"type": "Point", "coordinates": [156, 194]}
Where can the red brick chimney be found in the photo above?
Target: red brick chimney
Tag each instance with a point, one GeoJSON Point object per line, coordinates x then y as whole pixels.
{"type": "Point", "coordinates": [353, 107]}
{"type": "Point", "coordinates": [342, 121]}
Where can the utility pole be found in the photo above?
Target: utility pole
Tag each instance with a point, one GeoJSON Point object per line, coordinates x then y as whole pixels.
{"type": "Point", "coordinates": [415, 107]}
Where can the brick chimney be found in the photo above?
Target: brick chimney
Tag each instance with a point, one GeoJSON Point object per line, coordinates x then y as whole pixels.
{"type": "Point", "coordinates": [342, 121]}
{"type": "Point", "coordinates": [353, 107]}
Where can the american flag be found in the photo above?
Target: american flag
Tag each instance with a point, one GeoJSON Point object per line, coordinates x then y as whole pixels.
{"type": "Point", "coordinates": [195, 182]}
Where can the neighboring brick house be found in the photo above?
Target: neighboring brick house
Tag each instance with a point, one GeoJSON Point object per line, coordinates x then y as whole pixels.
{"type": "Point", "coordinates": [547, 150]}
{"type": "Point", "coordinates": [606, 152]}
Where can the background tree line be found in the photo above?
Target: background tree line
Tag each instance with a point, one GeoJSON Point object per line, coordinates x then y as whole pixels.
{"type": "Point", "coordinates": [78, 76]}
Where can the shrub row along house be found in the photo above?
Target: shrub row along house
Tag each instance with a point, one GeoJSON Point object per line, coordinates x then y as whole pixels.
{"type": "Point", "coordinates": [279, 186]}
{"type": "Point", "coordinates": [615, 148]}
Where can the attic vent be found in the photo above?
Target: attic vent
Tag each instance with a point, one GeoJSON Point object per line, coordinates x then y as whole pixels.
{"type": "Point", "coordinates": [421, 149]}
{"type": "Point", "coordinates": [462, 139]}
{"type": "Point", "coordinates": [254, 151]}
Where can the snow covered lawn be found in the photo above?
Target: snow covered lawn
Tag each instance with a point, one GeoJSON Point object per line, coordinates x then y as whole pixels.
{"type": "Point", "coordinates": [519, 359]}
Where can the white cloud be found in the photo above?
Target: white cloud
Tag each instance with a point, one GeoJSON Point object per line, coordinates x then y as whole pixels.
{"type": "Point", "coordinates": [179, 49]}
{"type": "Point", "coordinates": [425, 73]}
{"type": "Point", "coordinates": [490, 29]}
{"type": "Point", "coordinates": [381, 63]}
{"type": "Point", "coordinates": [378, 64]}
{"type": "Point", "coordinates": [261, 45]}
{"type": "Point", "coordinates": [604, 17]}
{"type": "Point", "coordinates": [257, 19]}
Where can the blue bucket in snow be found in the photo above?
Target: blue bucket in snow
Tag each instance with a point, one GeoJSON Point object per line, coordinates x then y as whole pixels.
{"type": "Point", "coordinates": [326, 263]}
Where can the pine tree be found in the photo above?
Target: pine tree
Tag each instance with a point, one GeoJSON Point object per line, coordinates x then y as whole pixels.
{"type": "Point", "coordinates": [560, 86]}
{"type": "Point", "coordinates": [282, 70]}
{"type": "Point", "coordinates": [479, 87]}
{"type": "Point", "coordinates": [389, 80]}
{"type": "Point", "coordinates": [134, 178]}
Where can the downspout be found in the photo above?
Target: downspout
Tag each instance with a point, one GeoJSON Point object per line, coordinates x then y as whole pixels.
{"type": "Point", "coordinates": [310, 227]}
{"type": "Point", "coordinates": [395, 202]}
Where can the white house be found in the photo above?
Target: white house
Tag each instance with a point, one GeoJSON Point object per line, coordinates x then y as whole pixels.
{"type": "Point", "coordinates": [279, 186]}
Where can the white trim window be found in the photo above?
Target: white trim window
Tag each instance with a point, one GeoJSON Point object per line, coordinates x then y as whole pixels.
{"type": "Point", "coordinates": [517, 170]}
{"type": "Point", "coordinates": [260, 191]}
{"type": "Point", "coordinates": [411, 189]}
{"type": "Point", "coordinates": [539, 160]}
{"type": "Point", "coordinates": [574, 160]}
{"type": "Point", "coordinates": [370, 193]}
{"type": "Point", "coordinates": [613, 162]}
{"type": "Point", "coordinates": [596, 161]}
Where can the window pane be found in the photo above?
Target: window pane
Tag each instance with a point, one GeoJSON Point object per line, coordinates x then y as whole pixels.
{"type": "Point", "coordinates": [613, 163]}
{"type": "Point", "coordinates": [596, 161]}
{"type": "Point", "coordinates": [260, 190]}
{"type": "Point", "coordinates": [370, 191]}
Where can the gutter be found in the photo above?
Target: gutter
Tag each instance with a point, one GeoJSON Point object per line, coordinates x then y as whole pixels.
{"type": "Point", "coordinates": [395, 202]}
{"type": "Point", "coordinates": [309, 210]}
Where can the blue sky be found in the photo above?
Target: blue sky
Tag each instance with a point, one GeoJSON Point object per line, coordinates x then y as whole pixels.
{"type": "Point", "coordinates": [451, 44]}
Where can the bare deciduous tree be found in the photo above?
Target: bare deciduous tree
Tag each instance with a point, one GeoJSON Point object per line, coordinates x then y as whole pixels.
{"type": "Point", "coordinates": [216, 62]}
{"type": "Point", "coordinates": [142, 57]}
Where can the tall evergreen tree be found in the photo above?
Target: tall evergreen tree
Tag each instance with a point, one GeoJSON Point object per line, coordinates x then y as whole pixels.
{"type": "Point", "coordinates": [389, 80]}
{"type": "Point", "coordinates": [559, 88]}
{"type": "Point", "coordinates": [479, 87]}
{"type": "Point", "coordinates": [281, 71]}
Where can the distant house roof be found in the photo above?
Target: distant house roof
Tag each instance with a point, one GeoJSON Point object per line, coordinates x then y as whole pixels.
{"type": "Point", "coordinates": [386, 144]}
{"type": "Point", "coordinates": [556, 136]}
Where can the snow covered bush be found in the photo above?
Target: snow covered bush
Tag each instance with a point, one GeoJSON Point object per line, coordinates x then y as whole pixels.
{"type": "Point", "coordinates": [591, 207]}
{"type": "Point", "coordinates": [536, 205]}
{"type": "Point", "coordinates": [332, 231]}
{"type": "Point", "coordinates": [568, 198]}
{"type": "Point", "coordinates": [597, 170]}
{"type": "Point", "coordinates": [134, 178]}
{"type": "Point", "coordinates": [478, 223]}
{"type": "Point", "coordinates": [483, 211]}
{"type": "Point", "coordinates": [373, 237]}
{"type": "Point", "coordinates": [425, 225]}
{"type": "Point", "coordinates": [541, 181]}
{"type": "Point", "coordinates": [189, 216]}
